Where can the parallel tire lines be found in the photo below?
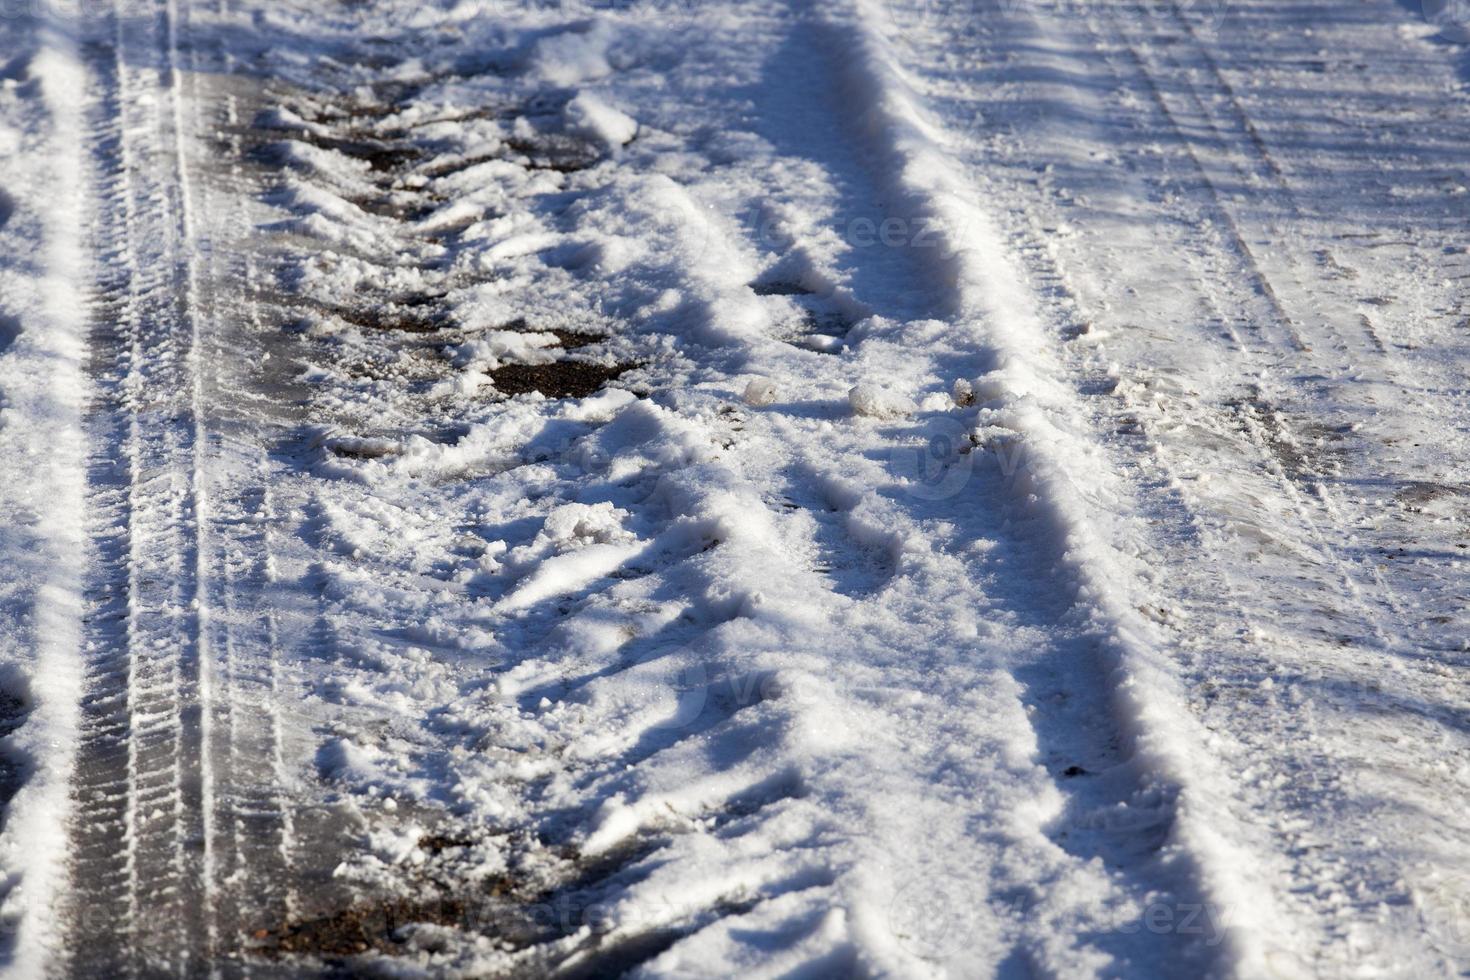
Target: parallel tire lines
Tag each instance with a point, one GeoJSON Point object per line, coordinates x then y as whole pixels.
{"type": "Point", "coordinates": [140, 894]}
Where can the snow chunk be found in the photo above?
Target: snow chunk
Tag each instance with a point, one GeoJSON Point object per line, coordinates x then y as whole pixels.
{"type": "Point", "coordinates": [573, 57]}
{"type": "Point", "coordinates": [601, 407]}
{"type": "Point", "coordinates": [395, 846]}
{"type": "Point", "coordinates": [344, 759]}
{"type": "Point", "coordinates": [498, 346]}
{"type": "Point", "coordinates": [572, 524]}
{"type": "Point", "coordinates": [565, 573]}
{"type": "Point", "coordinates": [879, 403]}
{"type": "Point", "coordinates": [282, 118]}
{"type": "Point", "coordinates": [587, 115]}
{"type": "Point", "coordinates": [761, 391]}
{"type": "Point", "coordinates": [577, 544]}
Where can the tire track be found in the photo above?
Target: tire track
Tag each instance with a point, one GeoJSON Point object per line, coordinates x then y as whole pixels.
{"type": "Point", "coordinates": [251, 843]}
{"type": "Point", "coordinates": [1375, 613]}
{"type": "Point", "coordinates": [1252, 269]}
{"type": "Point", "coordinates": [1156, 789]}
{"type": "Point", "coordinates": [1323, 260]}
{"type": "Point", "coordinates": [143, 825]}
{"type": "Point", "coordinates": [1321, 511]}
{"type": "Point", "coordinates": [1255, 439]}
{"type": "Point", "coordinates": [1310, 782]}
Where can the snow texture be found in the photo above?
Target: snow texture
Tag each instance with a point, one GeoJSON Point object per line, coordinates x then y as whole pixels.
{"type": "Point", "coordinates": [906, 488]}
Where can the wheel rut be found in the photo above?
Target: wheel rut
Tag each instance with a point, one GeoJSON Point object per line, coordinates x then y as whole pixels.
{"type": "Point", "coordinates": [146, 830]}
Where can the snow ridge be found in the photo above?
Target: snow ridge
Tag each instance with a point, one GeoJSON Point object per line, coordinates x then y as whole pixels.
{"type": "Point", "coordinates": [1020, 386]}
{"type": "Point", "coordinates": [42, 392]}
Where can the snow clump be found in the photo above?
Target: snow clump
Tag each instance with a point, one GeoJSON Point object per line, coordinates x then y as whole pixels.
{"type": "Point", "coordinates": [878, 403]}
{"type": "Point", "coordinates": [760, 392]}
{"type": "Point", "coordinates": [590, 117]}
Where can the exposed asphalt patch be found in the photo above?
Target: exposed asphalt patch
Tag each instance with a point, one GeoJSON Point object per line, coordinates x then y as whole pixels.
{"type": "Point", "coordinates": [392, 316]}
{"type": "Point", "coordinates": [13, 712]}
{"type": "Point", "coordinates": [9, 331]}
{"type": "Point", "coordinates": [560, 379]}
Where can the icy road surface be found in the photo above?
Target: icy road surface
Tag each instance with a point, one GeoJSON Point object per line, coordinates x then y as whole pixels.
{"type": "Point", "coordinates": [949, 488]}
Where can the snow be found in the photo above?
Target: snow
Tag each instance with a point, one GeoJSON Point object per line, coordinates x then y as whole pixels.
{"type": "Point", "coordinates": [850, 489]}
{"type": "Point", "coordinates": [587, 115]}
{"type": "Point", "coordinates": [671, 642]}
{"type": "Point", "coordinates": [761, 392]}
{"type": "Point", "coordinates": [577, 54]}
{"type": "Point", "coordinates": [42, 392]}
{"type": "Point", "coordinates": [879, 403]}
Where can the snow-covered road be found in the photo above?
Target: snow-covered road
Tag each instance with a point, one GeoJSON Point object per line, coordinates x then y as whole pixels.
{"type": "Point", "coordinates": [857, 488]}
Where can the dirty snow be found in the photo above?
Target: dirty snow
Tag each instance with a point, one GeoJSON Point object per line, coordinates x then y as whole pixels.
{"type": "Point", "coordinates": [696, 489]}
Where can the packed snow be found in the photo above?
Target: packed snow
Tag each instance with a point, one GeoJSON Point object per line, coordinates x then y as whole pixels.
{"type": "Point", "coordinates": [682, 488]}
